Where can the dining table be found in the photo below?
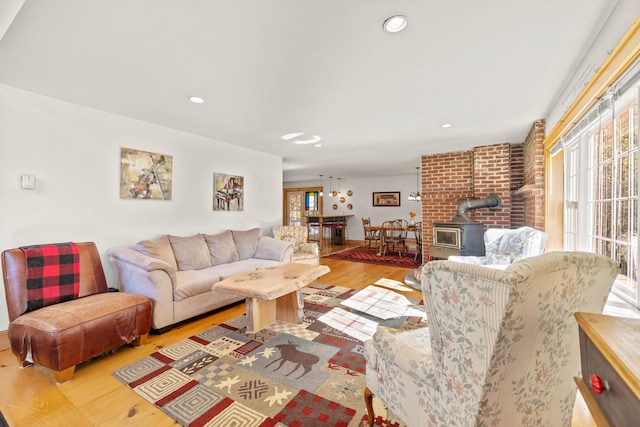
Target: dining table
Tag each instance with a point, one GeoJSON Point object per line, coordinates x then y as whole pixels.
{"type": "Point", "coordinates": [382, 231]}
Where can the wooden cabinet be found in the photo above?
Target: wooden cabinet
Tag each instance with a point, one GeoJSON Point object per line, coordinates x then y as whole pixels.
{"type": "Point", "coordinates": [610, 362]}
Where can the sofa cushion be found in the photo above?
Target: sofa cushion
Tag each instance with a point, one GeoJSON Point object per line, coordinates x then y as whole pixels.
{"type": "Point", "coordinates": [227, 270]}
{"type": "Point", "coordinates": [222, 248]}
{"type": "Point", "coordinates": [246, 242]}
{"type": "Point", "coordinates": [192, 253]}
{"type": "Point", "coordinates": [194, 282]}
{"type": "Point", "coordinates": [159, 248]}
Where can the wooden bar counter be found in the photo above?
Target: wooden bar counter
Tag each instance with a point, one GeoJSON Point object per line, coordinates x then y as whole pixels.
{"type": "Point", "coordinates": [337, 223]}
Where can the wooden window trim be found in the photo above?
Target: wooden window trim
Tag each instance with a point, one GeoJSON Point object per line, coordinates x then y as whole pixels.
{"type": "Point", "coordinates": [625, 53]}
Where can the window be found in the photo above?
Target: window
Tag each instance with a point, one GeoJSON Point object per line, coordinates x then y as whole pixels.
{"type": "Point", "coordinates": [601, 183]}
{"type": "Point", "coordinates": [311, 201]}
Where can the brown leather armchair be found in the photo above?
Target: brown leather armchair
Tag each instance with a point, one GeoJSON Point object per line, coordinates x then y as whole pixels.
{"type": "Point", "coordinates": [61, 335]}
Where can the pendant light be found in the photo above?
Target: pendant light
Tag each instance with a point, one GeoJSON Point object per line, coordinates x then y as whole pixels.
{"type": "Point", "coordinates": [416, 197]}
{"type": "Point", "coordinates": [339, 187]}
{"type": "Point", "coordinates": [321, 187]}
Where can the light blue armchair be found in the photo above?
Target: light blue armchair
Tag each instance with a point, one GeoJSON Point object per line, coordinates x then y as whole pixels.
{"type": "Point", "coordinates": [501, 348]}
{"type": "Point", "coordinates": [505, 246]}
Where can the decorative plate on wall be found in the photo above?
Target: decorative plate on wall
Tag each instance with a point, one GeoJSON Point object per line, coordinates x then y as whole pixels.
{"type": "Point", "coordinates": [334, 193]}
{"type": "Point", "coordinates": [349, 193]}
{"type": "Point", "coordinates": [342, 199]}
{"type": "Point", "coordinates": [335, 206]}
{"type": "Point", "coordinates": [349, 206]}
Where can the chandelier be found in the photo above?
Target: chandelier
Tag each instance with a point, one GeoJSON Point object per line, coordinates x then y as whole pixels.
{"type": "Point", "coordinates": [416, 197]}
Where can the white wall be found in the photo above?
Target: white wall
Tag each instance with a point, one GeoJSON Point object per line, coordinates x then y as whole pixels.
{"type": "Point", "coordinates": [362, 199]}
{"type": "Point", "coordinates": [74, 152]}
{"type": "Point", "coordinates": [617, 24]}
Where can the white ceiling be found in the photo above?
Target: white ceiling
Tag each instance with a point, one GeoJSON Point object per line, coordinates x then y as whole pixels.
{"type": "Point", "coordinates": [268, 68]}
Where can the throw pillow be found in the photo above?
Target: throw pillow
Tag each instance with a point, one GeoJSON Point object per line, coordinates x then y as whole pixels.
{"type": "Point", "coordinates": [222, 248]}
{"type": "Point", "coordinates": [511, 243]}
{"type": "Point", "coordinates": [246, 242]}
{"type": "Point", "coordinates": [159, 248]}
{"type": "Point", "coordinates": [192, 253]}
{"type": "Point", "coordinates": [291, 238]}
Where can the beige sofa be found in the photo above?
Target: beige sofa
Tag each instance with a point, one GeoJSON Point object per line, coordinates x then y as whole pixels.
{"type": "Point", "coordinates": [177, 273]}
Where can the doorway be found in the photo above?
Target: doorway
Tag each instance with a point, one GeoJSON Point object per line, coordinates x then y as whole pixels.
{"type": "Point", "coordinates": [298, 202]}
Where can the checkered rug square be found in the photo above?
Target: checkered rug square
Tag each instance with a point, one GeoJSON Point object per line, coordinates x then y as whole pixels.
{"type": "Point", "coordinates": [283, 376]}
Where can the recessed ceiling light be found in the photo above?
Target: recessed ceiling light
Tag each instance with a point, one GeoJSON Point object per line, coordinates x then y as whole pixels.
{"type": "Point", "coordinates": [196, 100]}
{"type": "Point", "coordinates": [446, 125]}
{"type": "Point", "coordinates": [301, 138]}
{"type": "Point", "coordinates": [289, 136]}
{"type": "Point", "coordinates": [395, 24]}
{"type": "Point", "coordinates": [318, 145]}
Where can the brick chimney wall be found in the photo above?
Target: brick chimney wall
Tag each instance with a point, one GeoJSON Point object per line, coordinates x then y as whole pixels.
{"type": "Point", "coordinates": [515, 172]}
{"type": "Point", "coordinates": [531, 195]}
{"type": "Point", "coordinates": [447, 180]}
{"type": "Point", "coordinates": [492, 176]}
{"type": "Point", "coordinates": [517, 182]}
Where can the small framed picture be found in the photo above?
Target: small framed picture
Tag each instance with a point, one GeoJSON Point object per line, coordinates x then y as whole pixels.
{"type": "Point", "coordinates": [228, 192]}
{"type": "Point", "coordinates": [386, 198]}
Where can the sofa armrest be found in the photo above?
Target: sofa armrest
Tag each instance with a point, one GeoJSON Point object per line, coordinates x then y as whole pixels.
{"type": "Point", "coordinates": [142, 261]}
{"type": "Point", "coordinates": [273, 249]}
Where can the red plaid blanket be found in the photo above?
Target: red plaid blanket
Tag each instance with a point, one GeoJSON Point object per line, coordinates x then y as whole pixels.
{"type": "Point", "coordinates": [53, 274]}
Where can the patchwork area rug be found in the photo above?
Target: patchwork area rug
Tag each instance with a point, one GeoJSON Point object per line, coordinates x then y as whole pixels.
{"type": "Point", "coordinates": [304, 375]}
{"type": "Point", "coordinates": [369, 256]}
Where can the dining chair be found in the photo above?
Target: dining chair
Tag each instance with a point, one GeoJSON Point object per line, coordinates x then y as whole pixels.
{"type": "Point", "coordinates": [416, 242]}
{"type": "Point", "coordinates": [395, 236]}
{"type": "Point", "coordinates": [369, 234]}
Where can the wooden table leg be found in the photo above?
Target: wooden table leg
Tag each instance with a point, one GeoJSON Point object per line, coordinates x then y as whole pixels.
{"type": "Point", "coordinates": [381, 248]}
{"type": "Point", "coordinates": [260, 314]}
{"type": "Point", "coordinates": [289, 307]}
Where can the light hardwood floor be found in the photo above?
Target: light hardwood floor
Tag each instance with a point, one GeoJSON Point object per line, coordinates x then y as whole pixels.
{"type": "Point", "coordinates": [30, 396]}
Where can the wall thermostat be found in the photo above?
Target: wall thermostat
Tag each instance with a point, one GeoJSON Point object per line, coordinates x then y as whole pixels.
{"type": "Point", "coordinates": [28, 181]}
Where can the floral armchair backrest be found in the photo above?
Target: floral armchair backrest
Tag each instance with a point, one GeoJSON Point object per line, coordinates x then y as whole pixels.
{"type": "Point", "coordinates": [465, 304]}
{"type": "Point", "coordinates": [504, 246]}
{"type": "Point", "coordinates": [505, 341]}
{"type": "Point", "coordinates": [295, 234]}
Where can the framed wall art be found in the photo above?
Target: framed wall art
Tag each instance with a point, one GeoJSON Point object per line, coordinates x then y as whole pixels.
{"type": "Point", "coordinates": [145, 175]}
{"type": "Point", "coordinates": [387, 198]}
{"type": "Point", "coordinates": [228, 192]}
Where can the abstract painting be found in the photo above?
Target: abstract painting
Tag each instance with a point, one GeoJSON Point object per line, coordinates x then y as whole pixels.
{"type": "Point", "coordinates": [145, 175]}
{"type": "Point", "coordinates": [228, 192]}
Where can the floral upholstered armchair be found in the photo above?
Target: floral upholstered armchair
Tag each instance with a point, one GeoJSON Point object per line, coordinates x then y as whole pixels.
{"type": "Point", "coordinates": [303, 252]}
{"type": "Point", "coordinates": [501, 348]}
{"type": "Point", "coordinates": [504, 246]}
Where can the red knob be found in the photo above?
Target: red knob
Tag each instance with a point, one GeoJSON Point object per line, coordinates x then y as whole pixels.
{"type": "Point", "coordinates": [597, 385]}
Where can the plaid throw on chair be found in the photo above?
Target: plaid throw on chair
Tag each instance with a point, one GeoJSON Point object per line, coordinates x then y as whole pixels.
{"type": "Point", "coordinates": [53, 274]}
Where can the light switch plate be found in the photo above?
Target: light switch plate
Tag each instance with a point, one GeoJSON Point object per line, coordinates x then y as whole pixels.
{"type": "Point", "coordinates": [28, 181]}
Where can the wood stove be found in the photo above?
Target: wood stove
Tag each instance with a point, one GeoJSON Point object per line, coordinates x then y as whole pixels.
{"type": "Point", "coordinates": [462, 236]}
{"type": "Point", "coordinates": [457, 239]}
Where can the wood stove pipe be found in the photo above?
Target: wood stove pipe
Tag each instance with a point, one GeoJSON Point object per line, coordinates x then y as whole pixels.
{"type": "Point", "coordinates": [491, 201]}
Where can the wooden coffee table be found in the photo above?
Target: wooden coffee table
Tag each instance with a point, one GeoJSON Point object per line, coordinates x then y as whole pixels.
{"type": "Point", "coordinates": [272, 293]}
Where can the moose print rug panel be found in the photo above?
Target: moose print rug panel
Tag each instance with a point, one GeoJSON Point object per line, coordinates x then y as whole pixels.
{"type": "Point", "coordinates": [285, 375]}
